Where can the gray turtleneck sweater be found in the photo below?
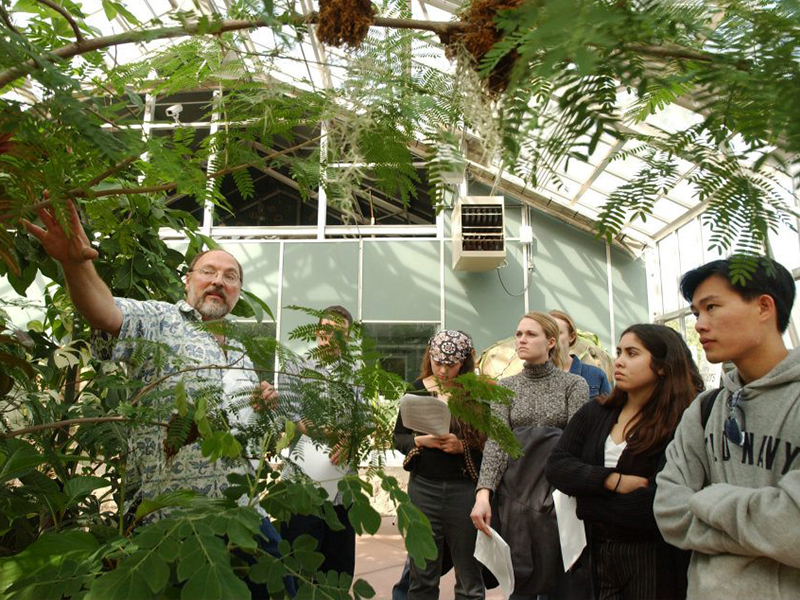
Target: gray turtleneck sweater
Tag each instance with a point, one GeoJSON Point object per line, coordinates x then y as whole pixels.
{"type": "Point", "coordinates": [545, 397]}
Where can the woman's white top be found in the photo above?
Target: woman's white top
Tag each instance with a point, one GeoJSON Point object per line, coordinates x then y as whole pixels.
{"type": "Point", "coordinates": [613, 451]}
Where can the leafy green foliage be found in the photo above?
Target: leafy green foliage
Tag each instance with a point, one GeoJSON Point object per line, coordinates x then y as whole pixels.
{"type": "Point", "coordinates": [180, 543]}
{"type": "Point", "coordinates": [472, 402]}
{"type": "Point", "coordinates": [581, 72]}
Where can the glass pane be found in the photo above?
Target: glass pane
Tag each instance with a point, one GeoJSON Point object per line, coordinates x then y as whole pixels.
{"type": "Point", "coordinates": [275, 202]}
{"type": "Point", "coordinates": [265, 368]}
{"type": "Point", "coordinates": [786, 246]}
{"type": "Point", "coordinates": [708, 371]}
{"type": "Point", "coordinates": [691, 246]}
{"type": "Point", "coordinates": [669, 262]}
{"type": "Point", "coordinates": [402, 345]}
{"type": "Point", "coordinates": [185, 107]}
{"type": "Point", "coordinates": [376, 204]}
{"type": "Point", "coordinates": [674, 324]}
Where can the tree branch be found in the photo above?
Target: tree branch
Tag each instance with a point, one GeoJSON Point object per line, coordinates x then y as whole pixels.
{"type": "Point", "coordinates": [71, 422]}
{"type": "Point", "coordinates": [673, 52]}
{"type": "Point", "coordinates": [80, 193]}
{"type": "Point", "coordinates": [168, 186]}
{"type": "Point", "coordinates": [7, 19]}
{"type": "Point", "coordinates": [109, 172]}
{"type": "Point", "coordinates": [63, 12]}
{"type": "Point", "coordinates": [193, 28]}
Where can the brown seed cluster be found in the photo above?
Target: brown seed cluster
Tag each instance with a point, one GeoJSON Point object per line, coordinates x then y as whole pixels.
{"type": "Point", "coordinates": [344, 22]}
{"type": "Point", "coordinates": [481, 34]}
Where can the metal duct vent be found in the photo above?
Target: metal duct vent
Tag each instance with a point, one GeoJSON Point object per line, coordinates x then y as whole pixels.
{"type": "Point", "coordinates": [478, 234]}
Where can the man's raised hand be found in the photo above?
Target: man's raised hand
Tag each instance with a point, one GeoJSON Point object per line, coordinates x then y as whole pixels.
{"type": "Point", "coordinates": [265, 398]}
{"type": "Point", "coordinates": [72, 249]}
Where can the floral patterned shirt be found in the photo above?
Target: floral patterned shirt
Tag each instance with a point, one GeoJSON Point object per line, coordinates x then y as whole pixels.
{"type": "Point", "coordinates": [158, 339]}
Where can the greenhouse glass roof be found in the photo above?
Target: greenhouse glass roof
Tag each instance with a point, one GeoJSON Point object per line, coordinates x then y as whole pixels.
{"type": "Point", "coordinates": [576, 195]}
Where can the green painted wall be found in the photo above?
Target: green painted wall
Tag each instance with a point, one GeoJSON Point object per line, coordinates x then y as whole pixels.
{"type": "Point", "coordinates": [630, 291]}
{"type": "Point", "coordinates": [570, 274]}
{"type": "Point", "coordinates": [260, 263]}
{"type": "Point", "coordinates": [401, 280]}
{"type": "Point", "coordinates": [476, 302]}
{"type": "Point", "coordinates": [316, 275]}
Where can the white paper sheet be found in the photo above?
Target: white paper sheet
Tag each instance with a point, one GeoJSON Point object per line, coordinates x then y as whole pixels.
{"type": "Point", "coordinates": [316, 463]}
{"type": "Point", "coordinates": [425, 414]}
{"type": "Point", "coordinates": [495, 554]}
{"type": "Point", "coordinates": [234, 383]}
{"type": "Point", "coordinates": [571, 530]}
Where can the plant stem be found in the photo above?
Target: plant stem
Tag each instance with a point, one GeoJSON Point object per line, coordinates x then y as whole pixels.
{"type": "Point", "coordinates": [63, 12]}
{"type": "Point", "coordinates": [79, 193]}
{"type": "Point", "coordinates": [71, 422]}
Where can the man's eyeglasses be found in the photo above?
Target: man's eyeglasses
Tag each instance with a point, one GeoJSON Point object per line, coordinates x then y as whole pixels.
{"type": "Point", "coordinates": [733, 431]}
{"type": "Point", "coordinates": [229, 277]}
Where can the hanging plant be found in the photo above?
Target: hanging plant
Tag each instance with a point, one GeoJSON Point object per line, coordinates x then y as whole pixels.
{"type": "Point", "coordinates": [344, 22]}
{"type": "Point", "coordinates": [478, 36]}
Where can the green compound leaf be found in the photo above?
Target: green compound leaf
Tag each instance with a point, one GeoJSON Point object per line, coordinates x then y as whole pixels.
{"type": "Point", "coordinates": [361, 589]}
{"type": "Point", "coordinates": [140, 576]}
{"type": "Point", "coordinates": [78, 488]}
{"type": "Point", "coordinates": [240, 535]}
{"type": "Point", "coordinates": [215, 582]}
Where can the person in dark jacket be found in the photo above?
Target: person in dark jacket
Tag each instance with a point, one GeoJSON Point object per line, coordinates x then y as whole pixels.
{"type": "Point", "coordinates": [444, 470]}
{"type": "Point", "coordinates": [568, 334]}
{"type": "Point", "coordinates": [608, 458]}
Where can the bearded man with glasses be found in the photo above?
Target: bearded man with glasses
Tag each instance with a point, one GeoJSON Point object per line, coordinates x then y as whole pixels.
{"type": "Point", "coordinates": [169, 344]}
{"type": "Point", "coordinates": [730, 490]}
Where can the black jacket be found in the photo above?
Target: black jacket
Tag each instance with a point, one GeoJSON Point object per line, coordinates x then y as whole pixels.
{"type": "Point", "coordinates": [526, 515]}
{"type": "Point", "coordinates": [576, 468]}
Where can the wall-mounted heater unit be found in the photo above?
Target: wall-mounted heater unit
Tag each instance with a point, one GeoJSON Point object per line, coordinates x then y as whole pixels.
{"type": "Point", "coordinates": [478, 239]}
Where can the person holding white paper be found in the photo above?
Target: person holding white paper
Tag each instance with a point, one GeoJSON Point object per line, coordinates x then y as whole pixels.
{"type": "Point", "coordinates": [337, 546]}
{"type": "Point", "coordinates": [443, 472]}
{"type": "Point", "coordinates": [545, 399]}
{"type": "Point", "coordinates": [608, 458]}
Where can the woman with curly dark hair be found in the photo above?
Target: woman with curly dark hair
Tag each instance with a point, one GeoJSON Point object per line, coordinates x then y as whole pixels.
{"type": "Point", "coordinates": [608, 458]}
{"type": "Point", "coordinates": [443, 472]}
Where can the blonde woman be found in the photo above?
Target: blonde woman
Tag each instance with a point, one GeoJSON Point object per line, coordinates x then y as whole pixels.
{"type": "Point", "coordinates": [545, 399]}
{"type": "Point", "coordinates": [568, 334]}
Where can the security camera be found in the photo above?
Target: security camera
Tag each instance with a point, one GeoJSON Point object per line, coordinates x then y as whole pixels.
{"type": "Point", "coordinates": [174, 111]}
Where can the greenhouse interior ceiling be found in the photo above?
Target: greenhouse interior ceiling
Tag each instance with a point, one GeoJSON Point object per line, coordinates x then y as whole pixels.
{"type": "Point", "coordinates": [233, 232]}
{"type": "Point", "coordinates": [653, 149]}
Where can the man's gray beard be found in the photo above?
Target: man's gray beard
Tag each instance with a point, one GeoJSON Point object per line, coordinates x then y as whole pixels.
{"type": "Point", "coordinates": [212, 310]}
{"type": "Point", "coordinates": [208, 308]}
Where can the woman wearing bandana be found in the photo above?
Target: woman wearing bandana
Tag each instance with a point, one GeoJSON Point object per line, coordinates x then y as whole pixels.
{"type": "Point", "coordinates": [444, 470]}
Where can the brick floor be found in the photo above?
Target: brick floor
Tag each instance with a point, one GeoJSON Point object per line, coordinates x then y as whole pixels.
{"type": "Point", "coordinates": [380, 558]}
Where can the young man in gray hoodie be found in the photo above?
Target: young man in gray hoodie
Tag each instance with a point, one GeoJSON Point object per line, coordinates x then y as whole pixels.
{"type": "Point", "coordinates": [730, 491]}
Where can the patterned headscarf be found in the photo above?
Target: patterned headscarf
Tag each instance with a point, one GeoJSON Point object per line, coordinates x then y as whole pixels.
{"type": "Point", "coordinates": [449, 347]}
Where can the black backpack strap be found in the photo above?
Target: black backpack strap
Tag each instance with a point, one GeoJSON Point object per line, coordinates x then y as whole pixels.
{"type": "Point", "coordinates": [706, 404]}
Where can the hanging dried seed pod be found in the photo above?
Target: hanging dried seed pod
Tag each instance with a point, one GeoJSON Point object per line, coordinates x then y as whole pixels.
{"type": "Point", "coordinates": [481, 34]}
{"type": "Point", "coordinates": [344, 22]}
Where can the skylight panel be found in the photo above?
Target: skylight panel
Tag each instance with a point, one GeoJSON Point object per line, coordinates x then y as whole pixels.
{"type": "Point", "coordinates": [650, 227]}
{"type": "Point", "coordinates": [684, 193]}
{"type": "Point", "coordinates": [607, 183]}
{"type": "Point", "coordinates": [674, 118]}
{"type": "Point", "coordinates": [592, 199]}
{"type": "Point", "coordinates": [667, 210]}
{"type": "Point", "coordinates": [577, 170]}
